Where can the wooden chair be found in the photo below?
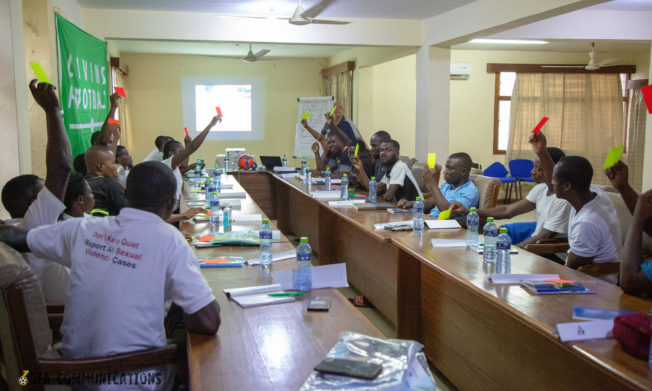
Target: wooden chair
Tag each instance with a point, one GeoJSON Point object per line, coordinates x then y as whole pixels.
{"type": "Point", "coordinates": [25, 334]}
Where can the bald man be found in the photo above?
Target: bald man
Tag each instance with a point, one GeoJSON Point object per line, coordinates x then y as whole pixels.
{"type": "Point", "coordinates": [102, 171]}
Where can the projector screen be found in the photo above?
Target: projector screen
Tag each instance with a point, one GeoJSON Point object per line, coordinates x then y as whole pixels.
{"type": "Point", "coordinates": [241, 101]}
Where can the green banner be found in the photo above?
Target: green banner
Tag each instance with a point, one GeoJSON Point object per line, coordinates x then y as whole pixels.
{"type": "Point", "coordinates": [83, 83]}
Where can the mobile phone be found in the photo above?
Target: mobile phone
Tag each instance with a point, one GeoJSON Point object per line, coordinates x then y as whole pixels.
{"type": "Point", "coordinates": [353, 368]}
{"type": "Point", "coordinates": [319, 303]}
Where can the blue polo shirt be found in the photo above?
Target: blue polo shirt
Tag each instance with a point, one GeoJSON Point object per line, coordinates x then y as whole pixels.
{"type": "Point", "coordinates": [345, 126]}
{"type": "Point", "coordinates": [467, 195]}
{"type": "Point", "coordinates": [647, 269]}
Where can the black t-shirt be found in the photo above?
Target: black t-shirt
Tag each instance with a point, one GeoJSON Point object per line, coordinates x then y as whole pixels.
{"type": "Point", "coordinates": [407, 190]}
{"type": "Point", "coordinates": [109, 194]}
{"type": "Point", "coordinates": [379, 170]}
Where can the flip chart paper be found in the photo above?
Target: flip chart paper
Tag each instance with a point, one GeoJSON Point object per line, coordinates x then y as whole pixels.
{"type": "Point", "coordinates": [540, 125]}
{"type": "Point", "coordinates": [432, 159]}
{"type": "Point", "coordinates": [120, 91]}
{"type": "Point", "coordinates": [445, 215]}
{"type": "Point", "coordinates": [613, 156]}
{"type": "Point", "coordinates": [219, 111]}
{"type": "Point", "coordinates": [647, 96]}
{"type": "Point", "coordinates": [306, 115]}
{"type": "Point", "coordinates": [40, 72]}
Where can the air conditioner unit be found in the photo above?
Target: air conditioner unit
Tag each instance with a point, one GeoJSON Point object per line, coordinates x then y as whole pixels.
{"type": "Point", "coordinates": [460, 70]}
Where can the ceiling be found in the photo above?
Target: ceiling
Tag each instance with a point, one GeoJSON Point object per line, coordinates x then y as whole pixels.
{"type": "Point", "coordinates": [623, 5]}
{"type": "Point", "coordinates": [389, 9]}
{"type": "Point", "coordinates": [574, 45]}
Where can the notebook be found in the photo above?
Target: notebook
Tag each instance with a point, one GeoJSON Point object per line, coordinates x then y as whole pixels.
{"type": "Point", "coordinates": [552, 288]}
{"type": "Point", "coordinates": [221, 262]}
{"type": "Point", "coordinates": [257, 295]}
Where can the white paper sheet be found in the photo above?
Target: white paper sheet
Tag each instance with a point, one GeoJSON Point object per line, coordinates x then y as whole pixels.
{"type": "Point", "coordinates": [345, 204]}
{"type": "Point", "coordinates": [381, 226]}
{"type": "Point", "coordinates": [499, 278]}
{"type": "Point", "coordinates": [579, 331]}
{"type": "Point", "coordinates": [326, 195]}
{"type": "Point", "coordinates": [326, 276]}
{"type": "Point", "coordinates": [284, 169]}
{"type": "Point", "coordinates": [247, 217]}
{"type": "Point", "coordinates": [448, 242]}
{"type": "Point", "coordinates": [442, 224]}
{"type": "Point", "coordinates": [288, 176]}
{"type": "Point", "coordinates": [275, 257]}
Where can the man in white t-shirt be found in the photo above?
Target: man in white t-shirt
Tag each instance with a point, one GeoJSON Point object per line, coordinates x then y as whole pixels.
{"type": "Point", "coordinates": [157, 154]}
{"type": "Point", "coordinates": [122, 270]}
{"type": "Point", "coordinates": [593, 229]}
{"type": "Point", "coordinates": [552, 213]}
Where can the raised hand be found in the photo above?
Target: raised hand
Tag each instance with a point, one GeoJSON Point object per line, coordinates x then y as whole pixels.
{"type": "Point", "coordinates": [538, 142]}
{"type": "Point", "coordinates": [430, 174]}
{"type": "Point", "coordinates": [44, 94]}
{"type": "Point", "coordinates": [192, 212]}
{"type": "Point", "coordinates": [304, 122]}
{"type": "Point", "coordinates": [315, 147]}
{"type": "Point", "coordinates": [357, 164]}
{"type": "Point", "coordinates": [329, 119]}
{"type": "Point", "coordinates": [618, 175]}
{"type": "Point", "coordinates": [115, 99]}
{"type": "Point", "coordinates": [457, 209]}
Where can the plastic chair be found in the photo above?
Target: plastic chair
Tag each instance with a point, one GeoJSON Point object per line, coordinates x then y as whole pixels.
{"type": "Point", "coordinates": [497, 170]}
{"type": "Point", "coordinates": [521, 169]}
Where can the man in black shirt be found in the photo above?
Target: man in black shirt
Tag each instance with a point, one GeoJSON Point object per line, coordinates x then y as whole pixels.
{"type": "Point", "coordinates": [102, 171]}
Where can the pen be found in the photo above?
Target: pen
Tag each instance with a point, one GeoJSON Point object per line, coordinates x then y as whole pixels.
{"type": "Point", "coordinates": [280, 294]}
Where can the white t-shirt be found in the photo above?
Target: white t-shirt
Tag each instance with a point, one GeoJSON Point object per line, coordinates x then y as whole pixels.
{"type": "Point", "coordinates": [155, 156]}
{"type": "Point", "coordinates": [399, 171]}
{"type": "Point", "coordinates": [594, 231]}
{"type": "Point", "coordinates": [552, 212]}
{"type": "Point", "coordinates": [177, 176]}
{"type": "Point", "coordinates": [123, 173]}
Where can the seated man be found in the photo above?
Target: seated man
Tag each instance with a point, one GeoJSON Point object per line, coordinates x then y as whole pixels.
{"type": "Point", "coordinates": [593, 227]}
{"type": "Point", "coordinates": [398, 184]}
{"type": "Point", "coordinates": [79, 199]}
{"type": "Point", "coordinates": [336, 158]}
{"type": "Point", "coordinates": [552, 213]}
{"type": "Point", "coordinates": [123, 269]}
{"type": "Point", "coordinates": [635, 269]}
{"type": "Point", "coordinates": [102, 171]}
{"type": "Point", "coordinates": [124, 163]}
{"type": "Point", "coordinates": [157, 154]}
{"type": "Point", "coordinates": [457, 186]}
{"type": "Point", "coordinates": [376, 140]}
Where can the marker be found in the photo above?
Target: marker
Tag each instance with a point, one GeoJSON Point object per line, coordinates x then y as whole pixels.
{"type": "Point", "coordinates": [540, 125]}
{"type": "Point", "coordinates": [219, 111]}
{"type": "Point", "coordinates": [357, 147]}
{"type": "Point", "coordinates": [285, 294]}
{"type": "Point", "coordinates": [114, 121]}
{"type": "Point", "coordinates": [306, 115]}
{"type": "Point", "coordinates": [332, 111]}
{"type": "Point", "coordinates": [187, 134]}
{"type": "Point", "coordinates": [120, 91]}
{"type": "Point", "coordinates": [40, 72]}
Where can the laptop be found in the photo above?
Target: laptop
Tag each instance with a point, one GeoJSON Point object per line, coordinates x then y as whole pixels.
{"type": "Point", "coordinates": [270, 162]}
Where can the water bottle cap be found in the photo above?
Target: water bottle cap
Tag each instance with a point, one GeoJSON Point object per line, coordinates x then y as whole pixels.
{"type": "Point", "coordinates": [418, 198]}
{"type": "Point", "coordinates": [503, 230]}
{"type": "Point", "coordinates": [328, 168]}
{"type": "Point", "coordinates": [265, 221]}
{"type": "Point", "coordinates": [373, 177]}
{"type": "Point", "coordinates": [490, 219]}
{"type": "Point", "coordinates": [345, 174]}
{"type": "Point", "coordinates": [303, 239]}
{"type": "Point", "coordinates": [215, 193]}
{"type": "Point", "coordinates": [473, 209]}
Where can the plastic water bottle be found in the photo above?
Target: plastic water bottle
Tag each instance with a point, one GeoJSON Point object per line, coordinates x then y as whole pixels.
{"type": "Point", "coordinates": [308, 179]}
{"type": "Point", "coordinates": [218, 177]}
{"type": "Point", "coordinates": [208, 190]}
{"type": "Point", "coordinates": [214, 219]}
{"type": "Point", "coordinates": [304, 261]}
{"type": "Point", "coordinates": [503, 245]}
{"type": "Point", "coordinates": [284, 161]}
{"type": "Point", "coordinates": [215, 201]}
{"type": "Point", "coordinates": [417, 215]}
{"type": "Point", "coordinates": [344, 187]}
{"type": "Point", "coordinates": [327, 178]}
{"type": "Point", "coordinates": [372, 190]}
{"type": "Point", "coordinates": [265, 236]}
{"type": "Point", "coordinates": [303, 165]}
{"type": "Point", "coordinates": [490, 236]}
{"type": "Point", "coordinates": [197, 171]}
{"type": "Point", "coordinates": [472, 227]}
{"type": "Point", "coordinates": [226, 219]}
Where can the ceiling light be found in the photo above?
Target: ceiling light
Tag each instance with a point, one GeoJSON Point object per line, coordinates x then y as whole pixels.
{"type": "Point", "coordinates": [508, 41]}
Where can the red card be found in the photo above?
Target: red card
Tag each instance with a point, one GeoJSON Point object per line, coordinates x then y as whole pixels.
{"type": "Point", "coordinates": [558, 281]}
{"type": "Point", "coordinates": [647, 96]}
{"type": "Point", "coordinates": [114, 121]}
{"type": "Point", "coordinates": [120, 91]}
{"type": "Point", "coordinates": [187, 134]}
{"type": "Point", "coordinates": [206, 238]}
{"type": "Point", "coordinates": [540, 125]}
{"type": "Point", "coordinates": [215, 260]}
{"type": "Point", "coordinates": [219, 111]}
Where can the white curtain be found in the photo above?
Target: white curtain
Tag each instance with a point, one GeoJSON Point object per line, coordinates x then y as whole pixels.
{"type": "Point", "coordinates": [636, 139]}
{"type": "Point", "coordinates": [585, 114]}
{"type": "Point", "coordinates": [340, 85]}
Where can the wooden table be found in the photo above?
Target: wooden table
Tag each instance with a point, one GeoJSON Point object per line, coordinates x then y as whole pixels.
{"type": "Point", "coordinates": [271, 347]}
{"type": "Point", "coordinates": [481, 336]}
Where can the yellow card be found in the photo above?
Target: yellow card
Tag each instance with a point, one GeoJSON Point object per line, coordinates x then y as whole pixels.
{"type": "Point", "coordinates": [357, 147]}
{"type": "Point", "coordinates": [445, 215]}
{"type": "Point", "coordinates": [40, 73]}
{"type": "Point", "coordinates": [432, 159]}
{"type": "Point", "coordinates": [306, 115]}
{"type": "Point", "coordinates": [332, 111]}
{"type": "Point", "coordinates": [613, 156]}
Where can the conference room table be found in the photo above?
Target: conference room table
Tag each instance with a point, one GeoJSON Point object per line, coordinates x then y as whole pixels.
{"type": "Point", "coordinates": [478, 334]}
{"type": "Point", "coordinates": [272, 347]}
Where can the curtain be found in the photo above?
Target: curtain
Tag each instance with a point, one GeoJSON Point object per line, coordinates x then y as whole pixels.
{"type": "Point", "coordinates": [585, 114]}
{"type": "Point", "coordinates": [636, 139]}
{"type": "Point", "coordinates": [119, 79]}
{"type": "Point", "coordinates": [340, 85]}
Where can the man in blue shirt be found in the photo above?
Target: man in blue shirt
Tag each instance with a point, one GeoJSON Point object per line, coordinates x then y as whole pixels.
{"type": "Point", "coordinates": [458, 187]}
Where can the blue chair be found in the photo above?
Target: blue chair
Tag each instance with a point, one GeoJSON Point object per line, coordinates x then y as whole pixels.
{"type": "Point", "coordinates": [521, 169]}
{"type": "Point", "coordinates": [497, 170]}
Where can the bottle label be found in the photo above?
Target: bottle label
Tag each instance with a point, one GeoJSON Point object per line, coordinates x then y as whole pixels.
{"type": "Point", "coordinates": [265, 235]}
{"type": "Point", "coordinates": [304, 257]}
{"type": "Point", "coordinates": [502, 246]}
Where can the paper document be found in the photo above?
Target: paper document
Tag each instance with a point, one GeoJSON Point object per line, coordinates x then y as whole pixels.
{"type": "Point", "coordinates": [257, 295]}
{"type": "Point", "coordinates": [246, 217]}
{"type": "Point", "coordinates": [326, 276]}
{"type": "Point", "coordinates": [448, 242]}
{"type": "Point", "coordinates": [381, 226]}
{"type": "Point", "coordinates": [345, 204]}
{"type": "Point", "coordinates": [593, 313]}
{"type": "Point", "coordinates": [499, 278]}
{"type": "Point", "coordinates": [275, 257]}
{"type": "Point", "coordinates": [284, 169]}
{"type": "Point", "coordinates": [442, 224]}
{"type": "Point", "coordinates": [232, 194]}
{"type": "Point", "coordinates": [288, 176]}
{"type": "Point", "coordinates": [579, 331]}
{"type": "Point", "coordinates": [326, 195]}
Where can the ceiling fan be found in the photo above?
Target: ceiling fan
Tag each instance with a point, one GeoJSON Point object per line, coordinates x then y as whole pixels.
{"type": "Point", "coordinates": [251, 57]}
{"type": "Point", "coordinates": [302, 17]}
{"type": "Point", "coordinates": [590, 66]}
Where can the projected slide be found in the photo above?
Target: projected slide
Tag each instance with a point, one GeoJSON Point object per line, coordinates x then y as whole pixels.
{"type": "Point", "coordinates": [234, 102]}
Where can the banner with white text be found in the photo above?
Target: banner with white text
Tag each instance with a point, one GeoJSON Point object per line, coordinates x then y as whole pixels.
{"type": "Point", "coordinates": [83, 83]}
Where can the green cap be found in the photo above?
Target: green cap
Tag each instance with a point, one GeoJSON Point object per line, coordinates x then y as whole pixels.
{"type": "Point", "coordinates": [304, 239]}
{"type": "Point", "coordinates": [265, 221]}
{"type": "Point", "coordinates": [211, 180]}
{"type": "Point", "coordinates": [328, 168]}
{"type": "Point", "coordinates": [473, 209]}
{"type": "Point", "coordinates": [207, 207]}
{"type": "Point", "coordinates": [503, 230]}
{"type": "Point", "coordinates": [216, 194]}
{"type": "Point", "coordinates": [283, 155]}
{"type": "Point", "coordinates": [418, 198]}
{"type": "Point", "coordinates": [490, 219]}
{"type": "Point", "coordinates": [345, 174]}
{"type": "Point", "coordinates": [373, 177]}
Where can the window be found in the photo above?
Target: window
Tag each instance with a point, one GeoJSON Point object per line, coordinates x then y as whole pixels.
{"type": "Point", "coordinates": [502, 105]}
{"type": "Point", "coordinates": [241, 101]}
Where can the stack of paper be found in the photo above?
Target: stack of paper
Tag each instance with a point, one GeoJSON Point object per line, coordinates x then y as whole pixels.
{"type": "Point", "coordinates": [257, 295]}
{"type": "Point", "coordinates": [499, 278]}
{"type": "Point", "coordinates": [326, 276]}
{"type": "Point", "coordinates": [448, 243]}
{"type": "Point", "coordinates": [345, 204]}
{"type": "Point", "coordinates": [246, 217]}
{"type": "Point", "coordinates": [232, 194]}
{"type": "Point", "coordinates": [442, 224]}
{"type": "Point", "coordinates": [275, 257]}
{"type": "Point", "coordinates": [284, 169]}
{"type": "Point", "coordinates": [288, 176]}
{"type": "Point", "coordinates": [381, 226]}
{"type": "Point", "coordinates": [326, 195]}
